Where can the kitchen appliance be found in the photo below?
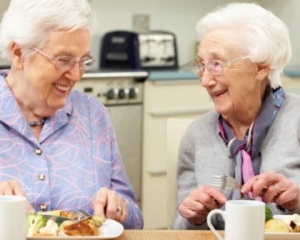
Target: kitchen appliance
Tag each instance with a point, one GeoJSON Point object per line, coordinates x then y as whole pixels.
{"type": "Point", "coordinates": [158, 50]}
{"type": "Point", "coordinates": [120, 50]}
{"type": "Point", "coordinates": [130, 50]}
{"type": "Point", "coordinates": [122, 93]}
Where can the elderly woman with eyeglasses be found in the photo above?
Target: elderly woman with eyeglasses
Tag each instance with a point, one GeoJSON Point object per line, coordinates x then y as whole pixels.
{"type": "Point", "coordinates": [57, 146]}
{"type": "Point", "coordinates": [253, 135]}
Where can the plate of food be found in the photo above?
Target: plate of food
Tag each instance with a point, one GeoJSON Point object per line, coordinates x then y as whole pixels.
{"type": "Point", "coordinates": [60, 227]}
{"type": "Point", "coordinates": [283, 227]}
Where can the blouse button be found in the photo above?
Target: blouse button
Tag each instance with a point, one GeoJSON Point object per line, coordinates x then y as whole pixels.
{"type": "Point", "coordinates": [38, 151]}
{"type": "Point", "coordinates": [42, 177]}
{"type": "Point", "coordinates": [43, 207]}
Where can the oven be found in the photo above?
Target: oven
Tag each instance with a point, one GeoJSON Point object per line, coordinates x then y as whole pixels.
{"type": "Point", "coordinates": [122, 94]}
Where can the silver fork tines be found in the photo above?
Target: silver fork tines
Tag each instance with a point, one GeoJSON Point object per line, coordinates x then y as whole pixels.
{"type": "Point", "coordinates": [224, 182]}
{"type": "Point", "coordinates": [80, 216]}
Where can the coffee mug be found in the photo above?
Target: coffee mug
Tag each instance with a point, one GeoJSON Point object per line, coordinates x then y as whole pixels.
{"type": "Point", "coordinates": [13, 213]}
{"type": "Point", "coordinates": [244, 220]}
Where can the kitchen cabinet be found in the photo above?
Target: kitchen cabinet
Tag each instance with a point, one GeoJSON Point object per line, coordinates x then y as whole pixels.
{"type": "Point", "coordinates": [163, 99]}
{"type": "Point", "coordinates": [291, 84]}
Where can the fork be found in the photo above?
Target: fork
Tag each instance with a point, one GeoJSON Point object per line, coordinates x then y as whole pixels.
{"type": "Point", "coordinates": [80, 216]}
{"type": "Point", "coordinates": [225, 183]}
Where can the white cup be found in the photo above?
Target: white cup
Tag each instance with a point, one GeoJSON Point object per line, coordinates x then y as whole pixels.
{"type": "Point", "coordinates": [13, 213]}
{"type": "Point", "coordinates": [244, 220]}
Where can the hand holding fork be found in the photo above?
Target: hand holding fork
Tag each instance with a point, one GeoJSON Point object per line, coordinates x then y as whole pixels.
{"type": "Point", "coordinates": [227, 183]}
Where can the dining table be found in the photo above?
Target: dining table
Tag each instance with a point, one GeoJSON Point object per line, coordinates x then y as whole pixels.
{"type": "Point", "coordinates": [168, 234]}
{"type": "Point", "coordinates": [191, 235]}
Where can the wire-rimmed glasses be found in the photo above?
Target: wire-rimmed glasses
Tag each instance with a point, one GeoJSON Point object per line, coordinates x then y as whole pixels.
{"type": "Point", "coordinates": [215, 67]}
{"type": "Point", "coordinates": [65, 63]}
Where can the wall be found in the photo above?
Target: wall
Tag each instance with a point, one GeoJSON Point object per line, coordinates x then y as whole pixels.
{"type": "Point", "coordinates": [288, 11]}
{"type": "Point", "coordinates": [179, 17]}
{"type": "Point", "coordinates": [3, 6]}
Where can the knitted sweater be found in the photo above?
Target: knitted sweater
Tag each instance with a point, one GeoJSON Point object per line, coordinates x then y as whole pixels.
{"type": "Point", "coordinates": [203, 153]}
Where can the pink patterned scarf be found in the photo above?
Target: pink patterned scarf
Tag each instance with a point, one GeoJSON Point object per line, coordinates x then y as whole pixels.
{"type": "Point", "coordinates": [246, 153]}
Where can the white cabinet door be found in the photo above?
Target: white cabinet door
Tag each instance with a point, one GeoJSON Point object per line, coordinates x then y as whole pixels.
{"type": "Point", "coordinates": [291, 84]}
{"type": "Point", "coordinates": [163, 100]}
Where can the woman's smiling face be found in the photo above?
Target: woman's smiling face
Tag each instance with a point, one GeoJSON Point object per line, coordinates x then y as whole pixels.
{"type": "Point", "coordinates": [235, 89]}
{"type": "Point", "coordinates": [47, 88]}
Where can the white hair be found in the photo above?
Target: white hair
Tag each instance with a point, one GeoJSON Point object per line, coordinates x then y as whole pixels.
{"type": "Point", "coordinates": [29, 22]}
{"type": "Point", "coordinates": [265, 37]}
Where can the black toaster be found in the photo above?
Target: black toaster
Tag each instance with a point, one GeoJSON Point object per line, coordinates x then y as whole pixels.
{"type": "Point", "coordinates": [120, 50]}
{"type": "Point", "coordinates": [130, 50]}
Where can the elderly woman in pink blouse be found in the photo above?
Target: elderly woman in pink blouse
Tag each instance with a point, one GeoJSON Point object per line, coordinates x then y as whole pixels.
{"type": "Point", "coordinates": [57, 146]}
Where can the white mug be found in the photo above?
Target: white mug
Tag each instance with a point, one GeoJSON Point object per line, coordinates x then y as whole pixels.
{"type": "Point", "coordinates": [13, 213]}
{"type": "Point", "coordinates": [244, 220]}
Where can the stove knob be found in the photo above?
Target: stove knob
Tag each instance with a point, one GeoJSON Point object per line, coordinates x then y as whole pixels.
{"type": "Point", "coordinates": [110, 94]}
{"type": "Point", "coordinates": [122, 93]}
{"type": "Point", "coordinates": [132, 93]}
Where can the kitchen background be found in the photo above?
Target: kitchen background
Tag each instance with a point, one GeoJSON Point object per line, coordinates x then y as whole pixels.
{"type": "Point", "coordinates": [179, 17]}
{"type": "Point", "coordinates": [140, 109]}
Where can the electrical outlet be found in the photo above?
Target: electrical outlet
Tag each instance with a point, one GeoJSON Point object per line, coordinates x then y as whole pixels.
{"type": "Point", "coordinates": [140, 23]}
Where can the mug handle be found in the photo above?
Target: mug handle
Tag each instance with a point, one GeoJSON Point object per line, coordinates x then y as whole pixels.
{"type": "Point", "coordinates": [211, 227]}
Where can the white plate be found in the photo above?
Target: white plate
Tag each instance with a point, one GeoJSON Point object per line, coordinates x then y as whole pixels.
{"type": "Point", "coordinates": [286, 218]}
{"type": "Point", "coordinates": [282, 236]}
{"type": "Point", "coordinates": [110, 229]}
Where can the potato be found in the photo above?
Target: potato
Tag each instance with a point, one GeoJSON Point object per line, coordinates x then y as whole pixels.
{"type": "Point", "coordinates": [276, 225]}
{"type": "Point", "coordinates": [296, 229]}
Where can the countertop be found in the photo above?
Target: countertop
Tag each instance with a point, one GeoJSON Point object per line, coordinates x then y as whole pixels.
{"type": "Point", "coordinates": [292, 71]}
{"type": "Point", "coordinates": [139, 74]}
{"type": "Point", "coordinates": [152, 75]}
{"type": "Point", "coordinates": [187, 74]}
{"type": "Point", "coordinates": [180, 74]}
{"type": "Point", "coordinates": [162, 75]}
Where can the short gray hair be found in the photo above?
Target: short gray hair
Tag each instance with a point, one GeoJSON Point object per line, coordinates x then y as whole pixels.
{"type": "Point", "coordinates": [265, 37]}
{"type": "Point", "coordinates": [29, 22]}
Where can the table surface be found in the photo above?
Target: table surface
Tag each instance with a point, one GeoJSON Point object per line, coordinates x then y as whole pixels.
{"type": "Point", "coordinates": [166, 235]}
{"type": "Point", "coordinates": [191, 235]}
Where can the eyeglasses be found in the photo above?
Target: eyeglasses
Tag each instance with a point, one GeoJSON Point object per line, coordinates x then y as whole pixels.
{"type": "Point", "coordinates": [65, 63]}
{"type": "Point", "coordinates": [215, 67]}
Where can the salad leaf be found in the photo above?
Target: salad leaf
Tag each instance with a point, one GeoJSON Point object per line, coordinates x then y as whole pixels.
{"type": "Point", "coordinates": [268, 213]}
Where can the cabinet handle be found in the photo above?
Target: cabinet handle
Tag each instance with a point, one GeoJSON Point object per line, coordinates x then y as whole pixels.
{"type": "Point", "coordinates": [178, 112]}
{"type": "Point", "coordinates": [159, 172]}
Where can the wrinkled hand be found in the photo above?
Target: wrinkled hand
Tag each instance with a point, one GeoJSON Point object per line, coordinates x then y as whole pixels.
{"type": "Point", "coordinates": [12, 187]}
{"type": "Point", "coordinates": [109, 204]}
{"type": "Point", "coordinates": [275, 188]}
{"type": "Point", "coordinates": [200, 202]}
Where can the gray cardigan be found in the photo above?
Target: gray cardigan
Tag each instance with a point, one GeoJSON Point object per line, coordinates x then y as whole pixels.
{"type": "Point", "coordinates": [203, 153]}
